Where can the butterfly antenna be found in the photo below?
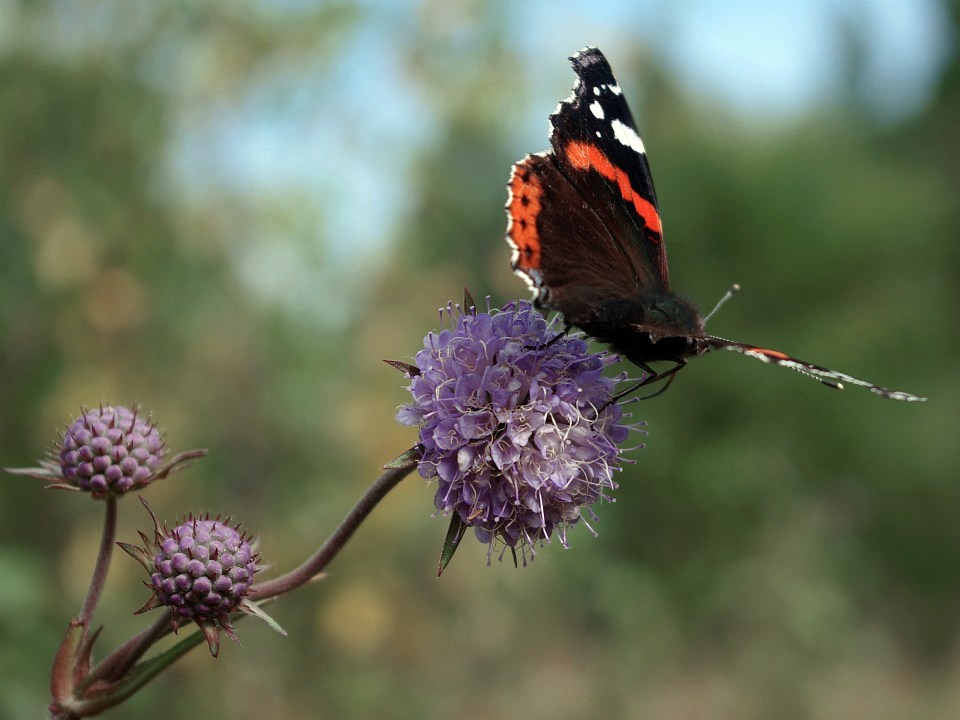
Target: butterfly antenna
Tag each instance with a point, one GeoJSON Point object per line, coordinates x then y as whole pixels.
{"type": "Point", "coordinates": [734, 289]}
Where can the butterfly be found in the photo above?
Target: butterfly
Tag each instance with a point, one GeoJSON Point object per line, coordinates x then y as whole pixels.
{"type": "Point", "coordinates": [586, 235]}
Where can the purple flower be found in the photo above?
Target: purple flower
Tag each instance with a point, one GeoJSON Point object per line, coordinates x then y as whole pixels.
{"type": "Point", "coordinates": [518, 427]}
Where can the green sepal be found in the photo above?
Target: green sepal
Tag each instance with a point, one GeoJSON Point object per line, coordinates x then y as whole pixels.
{"type": "Point", "coordinates": [450, 544]}
{"type": "Point", "coordinates": [179, 462]}
{"type": "Point", "coordinates": [406, 459]}
{"type": "Point", "coordinates": [254, 610]}
{"type": "Point", "coordinates": [139, 554]}
{"type": "Point", "coordinates": [406, 368]}
{"type": "Point", "coordinates": [211, 631]}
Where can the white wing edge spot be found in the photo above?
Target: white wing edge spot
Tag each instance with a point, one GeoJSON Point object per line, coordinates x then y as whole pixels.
{"type": "Point", "coordinates": [626, 135]}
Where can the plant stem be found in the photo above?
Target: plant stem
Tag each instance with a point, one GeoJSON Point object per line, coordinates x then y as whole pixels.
{"type": "Point", "coordinates": [118, 663]}
{"type": "Point", "coordinates": [320, 559]}
{"type": "Point", "coordinates": [103, 562]}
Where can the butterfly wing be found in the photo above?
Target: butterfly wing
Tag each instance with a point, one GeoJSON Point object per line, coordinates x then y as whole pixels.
{"type": "Point", "coordinates": [566, 255]}
{"type": "Point", "coordinates": [594, 134]}
{"type": "Point", "coordinates": [582, 219]}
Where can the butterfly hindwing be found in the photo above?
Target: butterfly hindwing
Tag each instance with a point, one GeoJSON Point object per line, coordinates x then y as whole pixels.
{"type": "Point", "coordinates": [542, 207]}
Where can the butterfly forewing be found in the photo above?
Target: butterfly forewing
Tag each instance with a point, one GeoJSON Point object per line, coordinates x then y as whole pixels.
{"type": "Point", "coordinates": [598, 148]}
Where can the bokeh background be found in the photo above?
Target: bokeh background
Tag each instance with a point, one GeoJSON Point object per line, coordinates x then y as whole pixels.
{"type": "Point", "coordinates": [231, 212]}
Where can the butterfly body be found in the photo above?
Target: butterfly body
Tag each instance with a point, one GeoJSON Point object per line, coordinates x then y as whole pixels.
{"type": "Point", "coordinates": [648, 329]}
{"type": "Point", "coordinates": [587, 238]}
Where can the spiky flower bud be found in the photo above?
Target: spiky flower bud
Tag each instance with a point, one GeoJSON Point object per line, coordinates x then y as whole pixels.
{"type": "Point", "coordinates": [111, 449]}
{"type": "Point", "coordinates": [202, 570]}
{"type": "Point", "coordinates": [108, 451]}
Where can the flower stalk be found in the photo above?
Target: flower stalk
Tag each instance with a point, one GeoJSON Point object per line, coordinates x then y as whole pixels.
{"type": "Point", "coordinates": [103, 561]}
{"type": "Point", "coordinates": [315, 564]}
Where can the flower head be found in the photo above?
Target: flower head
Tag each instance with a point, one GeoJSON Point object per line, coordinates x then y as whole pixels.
{"type": "Point", "coordinates": [518, 424]}
{"type": "Point", "coordinates": [202, 570]}
{"type": "Point", "coordinates": [108, 451]}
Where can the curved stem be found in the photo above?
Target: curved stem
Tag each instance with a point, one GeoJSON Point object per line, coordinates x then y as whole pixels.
{"type": "Point", "coordinates": [103, 561]}
{"type": "Point", "coordinates": [320, 559]}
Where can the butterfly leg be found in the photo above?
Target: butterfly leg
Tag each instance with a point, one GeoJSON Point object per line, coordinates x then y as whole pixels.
{"type": "Point", "coordinates": [653, 377]}
{"type": "Point", "coordinates": [551, 341]}
{"type": "Point", "coordinates": [662, 390]}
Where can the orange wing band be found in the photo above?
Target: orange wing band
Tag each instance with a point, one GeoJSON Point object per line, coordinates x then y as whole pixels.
{"type": "Point", "coordinates": [585, 156]}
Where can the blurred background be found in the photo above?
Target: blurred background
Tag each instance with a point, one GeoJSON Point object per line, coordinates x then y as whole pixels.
{"type": "Point", "coordinates": [231, 212]}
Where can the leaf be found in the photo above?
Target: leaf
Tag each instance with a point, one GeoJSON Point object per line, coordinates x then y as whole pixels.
{"type": "Point", "coordinates": [450, 544]}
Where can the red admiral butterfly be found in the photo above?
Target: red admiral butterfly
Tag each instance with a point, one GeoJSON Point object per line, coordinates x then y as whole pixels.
{"type": "Point", "coordinates": [583, 223]}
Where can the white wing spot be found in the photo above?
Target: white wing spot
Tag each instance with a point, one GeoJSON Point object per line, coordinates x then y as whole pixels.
{"type": "Point", "coordinates": [596, 90]}
{"type": "Point", "coordinates": [597, 110]}
{"type": "Point", "coordinates": [615, 89]}
{"type": "Point", "coordinates": [626, 135]}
